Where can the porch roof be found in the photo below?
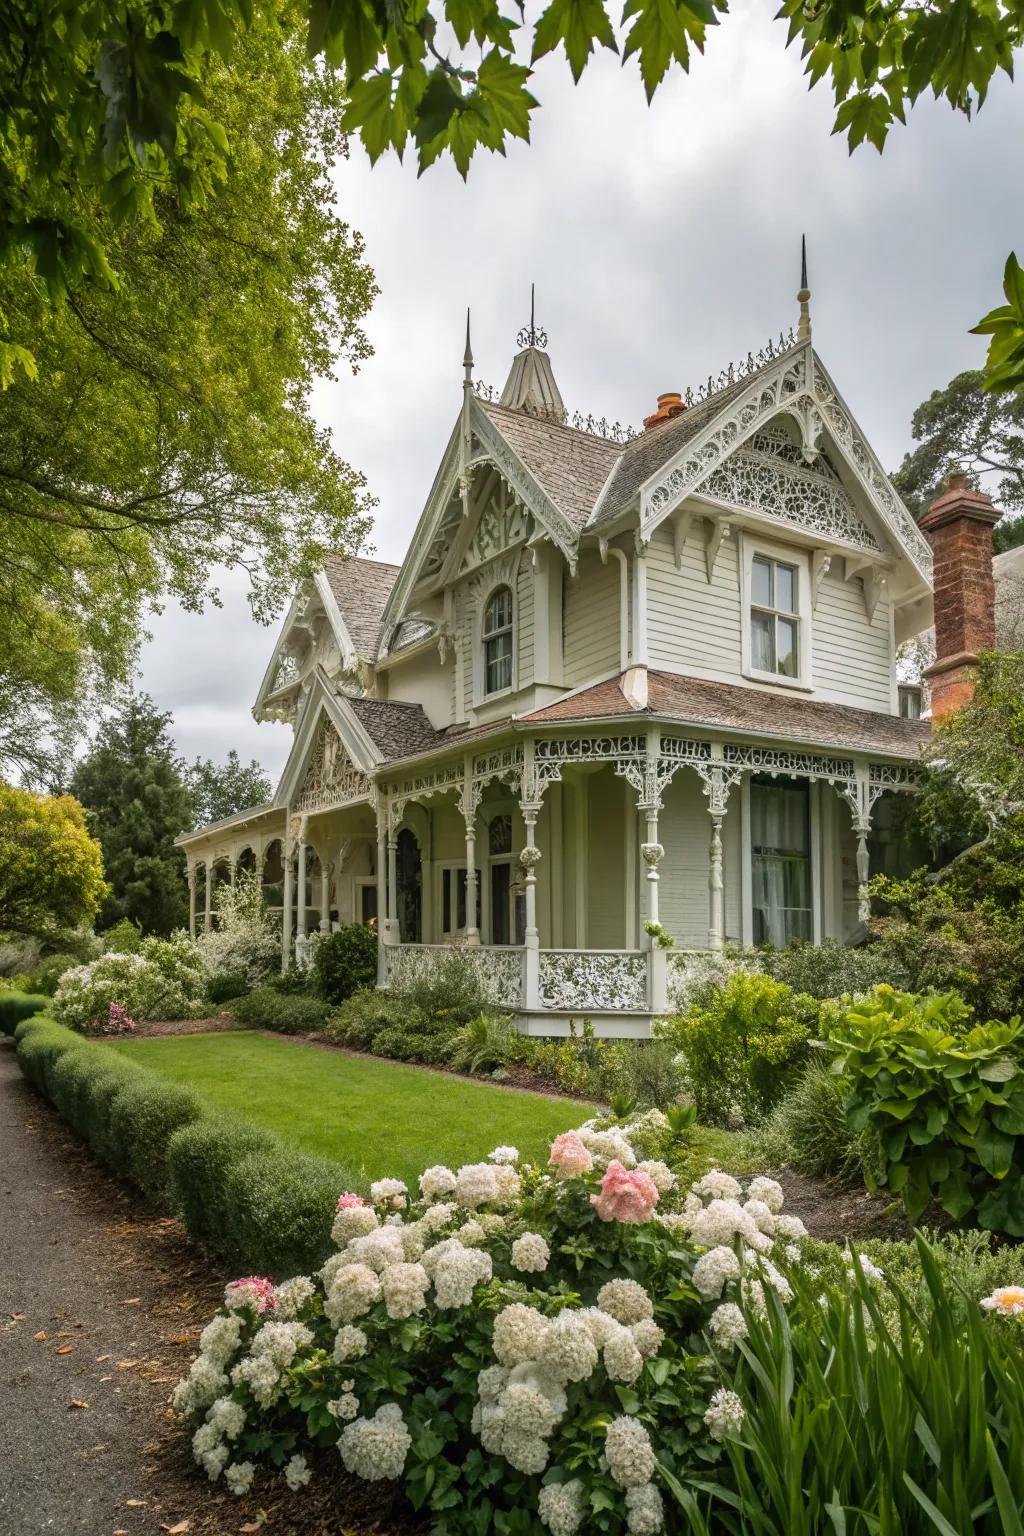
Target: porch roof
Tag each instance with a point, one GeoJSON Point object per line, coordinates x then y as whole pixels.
{"type": "Point", "coordinates": [725, 706]}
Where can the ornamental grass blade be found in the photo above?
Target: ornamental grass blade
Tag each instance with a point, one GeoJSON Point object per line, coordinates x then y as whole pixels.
{"type": "Point", "coordinates": [935, 1515]}
{"type": "Point", "coordinates": [1009, 1512]}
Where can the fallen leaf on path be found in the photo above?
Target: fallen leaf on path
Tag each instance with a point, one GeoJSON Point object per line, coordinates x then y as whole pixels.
{"type": "Point", "coordinates": [254, 1525]}
{"type": "Point", "coordinates": [66, 1333]}
{"type": "Point", "coordinates": [106, 1378]}
{"type": "Point", "coordinates": [19, 1317]}
{"type": "Point", "coordinates": [100, 1359]}
{"type": "Point", "coordinates": [133, 1301]}
{"type": "Point", "coordinates": [79, 1402]}
{"type": "Point", "coordinates": [65, 1349]}
{"type": "Point", "coordinates": [179, 1529]}
{"type": "Point", "coordinates": [41, 1336]}
{"type": "Point", "coordinates": [182, 1338]}
{"type": "Point", "coordinates": [136, 1503]}
{"type": "Point", "coordinates": [126, 1365]}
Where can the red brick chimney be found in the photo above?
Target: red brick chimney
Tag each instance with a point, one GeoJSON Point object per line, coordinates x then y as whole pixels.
{"type": "Point", "coordinates": [959, 526]}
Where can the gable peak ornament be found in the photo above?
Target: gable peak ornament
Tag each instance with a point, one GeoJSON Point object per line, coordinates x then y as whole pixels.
{"type": "Point", "coordinates": [532, 335]}
{"type": "Point", "coordinates": [803, 330]}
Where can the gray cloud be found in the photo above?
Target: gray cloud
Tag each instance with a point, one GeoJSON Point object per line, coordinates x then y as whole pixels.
{"type": "Point", "coordinates": [664, 242]}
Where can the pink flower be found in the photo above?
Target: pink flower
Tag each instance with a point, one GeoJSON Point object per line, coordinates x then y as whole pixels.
{"type": "Point", "coordinates": [627, 1194]}
{"type": "Point", "coordinates": [252, 1291]}
{"type": "Point", "coordinates": [570, 1156]}
{"type": "Point", "coordinates": [349, 1202]}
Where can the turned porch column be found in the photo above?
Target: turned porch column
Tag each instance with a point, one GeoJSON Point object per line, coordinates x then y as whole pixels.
{"type": "Point", "coordinates": [393, 880]}
{"type": "Point", "coordinates": [861, 800]}
{"type": "Point", "coordinates": [469, 801]}
{"type": "Point", "coordinates": [529, 858]}
{"type": "Point", "coordinates": [192, 900]}
{"type": "Point", "coordinates": [718, 779]}
{"type": "Point", "coordinates": [300, 913]}
{"type": "Point", "coordinates": [208, 909]}
{"type": "Point", "coordinates": [287, 895]}
{"type": "Point", "coordinates": [325, 895]}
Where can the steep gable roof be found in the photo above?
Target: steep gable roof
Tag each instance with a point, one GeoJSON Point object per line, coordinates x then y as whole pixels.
{"type": "Point", "coordinates": [396, 729]}
{"type": "Point", "coordinates": [570, 465]}
{"type": "Point", "coordinates": [361, 589]}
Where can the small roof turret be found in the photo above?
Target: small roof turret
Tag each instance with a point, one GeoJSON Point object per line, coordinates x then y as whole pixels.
{"type": "Point", "coordinates": [531, 383]}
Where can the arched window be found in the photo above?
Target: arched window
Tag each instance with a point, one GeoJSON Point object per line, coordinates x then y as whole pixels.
{"type": "Point", "coordinates": [497, 639]}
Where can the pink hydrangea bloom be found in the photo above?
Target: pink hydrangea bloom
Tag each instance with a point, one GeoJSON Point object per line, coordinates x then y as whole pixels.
{"type": "Point", "coordinates": [570, 1156]}
{"type": "Point", "coordinates": [349, 1202]}
{"type": "Point", "coordinates": [627, 1194]}
{"type": "Point", "coordinates": [251, 1291]}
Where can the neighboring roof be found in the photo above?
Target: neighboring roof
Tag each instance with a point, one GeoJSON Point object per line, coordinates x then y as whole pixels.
{"type": "Point", "coordinates": [725, 706]}
{"type": "Point", "coordinates": [571, 466]}
{"type": "Point", "coordinates": [395, 728]}
{"type": "Point", "coordinates": [645, 455]}
{"type": "Point", "coordinates": [1009, 563]}
{"type": "Point", "coordinates": [361, 589]}
{"type": "Point", "coordinates": [249, 813]}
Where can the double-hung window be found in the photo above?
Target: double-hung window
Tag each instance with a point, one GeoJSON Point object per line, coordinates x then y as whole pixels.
{"type": "Point", "coordinates": [774, 617]}
{"type": "Point", "coordinates": [497, 641]}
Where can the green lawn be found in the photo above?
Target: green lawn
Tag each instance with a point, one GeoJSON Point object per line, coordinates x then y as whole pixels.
{"type": "Point", "coordinates": [376, 1117]}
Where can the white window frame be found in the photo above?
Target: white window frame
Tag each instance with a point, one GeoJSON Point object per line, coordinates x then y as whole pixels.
{"type": "Point", "coordinates": [504, 573]}
{"type": "Point", "coordinates": [799, 559]}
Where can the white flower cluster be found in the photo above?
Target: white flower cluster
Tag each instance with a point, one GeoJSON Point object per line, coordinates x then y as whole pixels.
{"type": "Point", "coordinates": [530, 1253]}
{"type": "Point", "coordinates": [389, 1194]}
{"type": "Point", "coordinates": [727, 1325]}
{"type": "Point", "coordinates": [297, 1473]}
{"type": "Point", "coordinates": [354, 1221]}
{"type": "Point", "coordinates": [631, 1459]}
{"type": "Point", "coordinates": [479, 1184]}
{"type": "Point", "coordinates": [207, 1377]}
{"type": "Point", "coordinates": [455, 1270]}
{"type": "Point", "coordinates": [405, 1288]}
{"type": "Point", "coordinates": [560, 1506]}
{"type": "Point", "coordinates": [271, 1352]}
{"type": "Point", "coordinates": [436, 1183]}
{"type": "Point", "coordinates": [504, 1155]}
{"type": "Point", "coordinates": [375, 1449]}
{"type": "Point", "coordinates": [292, 1296]}
{"type": "Point", "coordinates": [607, 1146]}
{"type": "Point", "coordinates": [224, 1422]}
{"type": "Point", "coordinates": [725, 1415]}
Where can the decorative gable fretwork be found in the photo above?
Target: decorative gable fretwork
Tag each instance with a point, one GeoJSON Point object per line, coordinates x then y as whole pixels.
{"type": "Point", "coordinates": [797, 386]}
{"type": "Point", "coordinates": [331, 778]}
{"type": "Point", "coordinates": [768, 475]}
{"type": "Point", "coordinates": [502, 523]}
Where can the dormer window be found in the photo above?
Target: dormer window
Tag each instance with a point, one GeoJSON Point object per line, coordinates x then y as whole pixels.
{"type": "Point", "coordinates": [776, 587]}
{"type": "Point", "coordinates": [497, 641]}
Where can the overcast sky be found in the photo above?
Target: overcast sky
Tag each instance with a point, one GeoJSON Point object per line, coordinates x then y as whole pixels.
{"type": "Point", "coordinates": [664, 243]}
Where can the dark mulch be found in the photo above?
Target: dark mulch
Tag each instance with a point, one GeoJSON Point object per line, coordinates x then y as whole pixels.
{"type": "Point", "coordinates": [101, 1305]}
{"type": "Point", "coordinates": [212, 1026]}
{"type": "Point", "coordinates": [835, 1211]}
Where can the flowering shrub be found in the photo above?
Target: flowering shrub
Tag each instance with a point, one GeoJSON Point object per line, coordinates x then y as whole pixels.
{"type": "Point", "coordinates": [119, 1021]}
{"type": "Point", "coordinates": [243, 943]}
{"type": "Point", "coordinates": [524, 1347]}
{"type": "Point", "coordinates": [166, 980]}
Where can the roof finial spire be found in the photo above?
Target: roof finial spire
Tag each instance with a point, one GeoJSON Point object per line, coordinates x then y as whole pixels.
{"type": "Point", "coordinates": [803, 330]}
{"type": "Point", "coordinates": [467, 360]}
{"type": "Point", "coordinates": [532, 335]}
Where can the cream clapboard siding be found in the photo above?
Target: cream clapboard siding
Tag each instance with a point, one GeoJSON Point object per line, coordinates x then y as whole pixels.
{"type": "Point", "coordinates": [423, 680]}
{"type": "Point", "coordinates": [606, 860]}
{"type": "Point", "coordinates": [694, 626]}
{"type": "Point", "coordinates": [851, 655]}
{"type": "Point", "coordinates": [684, 830]}
{"type": "Point", "coordinates": [524, 624]}
{"type": "Point", "coordinates": [590, 624]}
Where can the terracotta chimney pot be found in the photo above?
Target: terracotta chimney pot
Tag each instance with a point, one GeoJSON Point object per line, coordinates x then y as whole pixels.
{"type": "Point", "coordinates": [669, 404]}
{"type": "Point", "coordinates": [959, 526]}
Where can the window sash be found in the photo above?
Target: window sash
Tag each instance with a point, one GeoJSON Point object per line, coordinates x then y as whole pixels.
{"type": "Point", "coordinates": [774, 625]}
{"type": "Point", "coordinates": [498, 662]}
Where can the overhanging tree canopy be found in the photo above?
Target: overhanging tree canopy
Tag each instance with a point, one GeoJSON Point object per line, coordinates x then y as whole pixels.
{"type": "Point", "coordinates": [51, 870]}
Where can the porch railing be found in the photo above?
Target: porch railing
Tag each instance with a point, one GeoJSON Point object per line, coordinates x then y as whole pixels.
{"type": "Point", "coordinates": [573, 981]}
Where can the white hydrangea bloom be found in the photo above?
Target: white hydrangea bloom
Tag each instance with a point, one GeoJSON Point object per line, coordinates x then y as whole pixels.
{"type": "Point", "coordinates": [378, 1249]}
{"type": "Point", "coordinates": [204, 1382]}
{"type": "Point", "coordinates": [504, 1155]}
{"type": "Point", "coordinates": [519, 1334]}
{"type": "Point", "coordinates": [761, 1215]}
{"type": "Point", "coordinates": [527, 1453]}
{"type": "Point", "coordinates": [722, 1221]}
{"type": "Point", "coordinates": [631, 1458]}
{"type": "Point", "coordinates": [792, 1253]}
{"type": "Point", "coordinates": [375, 1449]}
{"type": "Point", "coordinates": [344, 1407]}
{"type": "Point", "coordinates": [509, 1183]}
{"type": "Point", "coordinates": [477, 1184]}
{"type": "Point", "coordinates": [607, 1147]}
{"type": "Point", "coordinates": [870, 1271]}
{"type": "Point", "coordinates": [389, 1194]}
{"type": "Point", "coordinates": [778, 1282]}
{"type": "Point", "coordinates": [490, 1382]}
{"type": "Point", "coordinates": [437, 1216]}
{"type": "Point", "coordinates": [471, 1234]}
{"type": "Point", "coordinates": [436, 1182]}
{"type": "Point", "coordinates": [789, 1226]}
{"type": "Point", "coordinates": [560, 1507]}
{"type": "Point", "coordinates": [753, 1297]}
{"type": "Point", "coordinates": [457, 1273]}
{"type": "Point", "coordinates": [767, 1190]}
{"type": "Point", "coordinates": [569, 1347]}
{"type": "Point", "coordinates": [355, 1289]}
{"type": "Point", "coordinates": [725, 1415]}
{"type": "Point", "coordinates": [716, 1185]}
{"type": "Point", "coordinates": [675, 1222]}
{"type": "Point", "coordinates": [281, 1342]}
{"type": "Point", "coordinates": [219, 1339]}
{"type": "Point", "coordinates": [528, 1411]}
{"type": "Point", "coordinates": [414, 1239]}
{"type": "Point", "coordinates": [405, 1289]}
{"type": "Point", "coordinates": [661, 1175]}
{"type": "Point", "coordinates": [292, 1296]}
{"type": "Point", "coordinates": [727, 1325]}
{"type": "Point", "coordinates": [261, 1375]}
{"type": "Point", "coordinates": [239, 1477]}
{"type": "Point", "coordinates": [601, 1324]}
{"type": "Point", "coordinates": [297, 1473]}
{"type": "Point", "coordinates": [227, 1418]}
{"type": "Point", "coordinates": [530, 1253]}
{"type": "Point", "coordinates": [622, 1360]}
{"type": "Point", "coordinates": [355, 1221]}
{"type": "Point", "coordinates": [647, 1337]}
{"type": "Point", "coordinates": [625, 1300]}
{"type": "Point", "coordinates": [349, 1344]}
{"type": "Point", "coordinates": [645, 1512]}
{"type": "Point", "coordinates": [713, 1269]}
{"type": "Point", "coordinates": [209, 1451]}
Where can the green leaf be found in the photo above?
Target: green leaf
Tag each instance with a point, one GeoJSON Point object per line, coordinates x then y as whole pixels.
{"type": "Point", "coordinates": [578, 24]}
{"type": "Point", "coordinates": [369, 111]}
{"type": "Point", "coordinates": [994, 1149]}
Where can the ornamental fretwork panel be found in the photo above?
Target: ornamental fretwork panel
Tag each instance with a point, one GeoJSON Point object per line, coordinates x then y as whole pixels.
{"type": "Point", "coordinates": [331, 777]}
{"type": "Point", "coordinates": [762, 477]}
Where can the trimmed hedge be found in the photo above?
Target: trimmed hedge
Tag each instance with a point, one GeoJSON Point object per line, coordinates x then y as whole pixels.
{"type": "Point", "coordinates": [15, 1006]}
{"type": "Point", "coordinates": [245, 1197]}
{"type": "Point", "coordinates": [290, 1014]}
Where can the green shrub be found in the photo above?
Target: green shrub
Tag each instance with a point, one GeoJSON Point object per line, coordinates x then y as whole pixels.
{"type": "Point", "coordinates": [144, 1114]}
{"type": "Point", "coordinates": [344, 961]}
{"type": "Point", "coordinates": [286, 1012]}
{"type": "Point", "coordinates": [41, 1042]}
{"type": "Point", "coordinates": [363, 1016]}
{"type": "Point", "coordinates": [743, 1049]}
{"type": "Point", "coordinates": [164, 980]}
{"type": "Point", "coordinates": [946, 1103]}
{"type": "Point", "coordinates": [124, 938]}
{"type": "Point", "coordinates": [75, 1085]}
{"type": "Point", "coordinates": [279, 1208]}
{"type": "Point", "coordinates": [45, 976]}
{"type": "Point", "coordinates": [199, 1155]}
{"type": "Point", "coordinates": [227, 986]}
{"type": "Point", "coordinates": [809, 1130]}
{"type": "Point", "coordinates": [294, 982]}
{"type": "Point", "coordinates": [486, 1042]}
{"type": "Point", "coordinates": [653, 1074]}
{"type": "Point", "coordinates": [445, 988]}
{"type": "Point", "coordinates": [829, 969]}
{"type": "Point", "coordinates": [15, 1006]}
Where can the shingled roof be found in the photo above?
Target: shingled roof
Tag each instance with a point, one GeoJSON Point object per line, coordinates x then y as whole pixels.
{"type": "Point", "coordinates": [571, 466]}
{"type": "Point", "coordinates": [725, 706]}
{"type": "Point", "coordinates": [361, 589]}
{"type": "Point", "coordinates": [395, 728]}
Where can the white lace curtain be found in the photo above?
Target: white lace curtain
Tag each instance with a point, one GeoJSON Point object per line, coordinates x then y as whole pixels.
{"type": "Point", "coordinates": [780, 862]}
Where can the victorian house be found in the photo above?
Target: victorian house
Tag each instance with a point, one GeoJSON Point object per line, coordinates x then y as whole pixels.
{"type": "Point", "coordinates": [623, 686]}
